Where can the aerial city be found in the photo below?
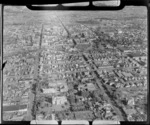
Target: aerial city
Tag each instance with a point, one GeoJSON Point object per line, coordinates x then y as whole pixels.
{"type": "Point", "coordinates": [73, 65]}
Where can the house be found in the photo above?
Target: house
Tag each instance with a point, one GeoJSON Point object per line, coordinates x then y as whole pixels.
{"type": "Point", "coordinates": [131, 102]}
{"type": "Point", "coordinates": [59, 100]}
{"type": "Point", "coordinates": [50, 90]}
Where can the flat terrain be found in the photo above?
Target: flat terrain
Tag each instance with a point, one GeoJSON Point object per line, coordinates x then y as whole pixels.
{"type": "Point", "coordinates": [73, 65]}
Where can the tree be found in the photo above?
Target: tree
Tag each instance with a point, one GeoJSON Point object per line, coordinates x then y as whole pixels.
{"type": "Point", "coordinates": [66, 103]}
